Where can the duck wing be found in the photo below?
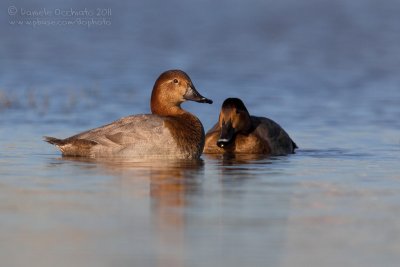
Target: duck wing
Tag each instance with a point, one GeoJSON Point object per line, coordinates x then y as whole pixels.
{"type": "Point", "coordinates": [278, 139]}
{"type": "Point", "coordinates": [136, 132]}
{"type": "Point", "coordinates": [126, 130]}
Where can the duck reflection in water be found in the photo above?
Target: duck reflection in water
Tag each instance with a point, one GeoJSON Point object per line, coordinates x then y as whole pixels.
{"type": "Point", "coordinates": [169, 183]}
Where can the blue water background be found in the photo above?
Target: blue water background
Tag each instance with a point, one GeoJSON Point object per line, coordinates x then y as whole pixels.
{"type": "Point", "coordinates": [327, 71]}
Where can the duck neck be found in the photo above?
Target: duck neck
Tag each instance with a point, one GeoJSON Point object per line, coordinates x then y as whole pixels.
{"type": "Point", "coordinates": [167, 111]}
{"type": "Point", "coordinates": [163, 107]}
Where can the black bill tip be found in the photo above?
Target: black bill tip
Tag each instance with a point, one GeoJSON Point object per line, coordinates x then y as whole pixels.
{"type": "Point", "coordinates": [205, 100]}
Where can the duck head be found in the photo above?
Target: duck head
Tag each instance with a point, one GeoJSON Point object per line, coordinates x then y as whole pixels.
{"type": "Point", "coordinates": [170, 90]}
{"type": "Point", "coordinates": [233, 119]}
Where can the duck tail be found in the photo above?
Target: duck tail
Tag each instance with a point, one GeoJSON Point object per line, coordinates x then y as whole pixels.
{"type": "Point", "coordinates": [53, 140]}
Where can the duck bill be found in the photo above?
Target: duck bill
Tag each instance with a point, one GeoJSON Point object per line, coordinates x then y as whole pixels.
{"type": "Point", "coordinates": [226, 136]}
{"type": "Point", "coordinates": [192, 95]}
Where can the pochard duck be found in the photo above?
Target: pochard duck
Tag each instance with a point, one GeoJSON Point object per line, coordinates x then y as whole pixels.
{"type": "Point", "coordinates": [238, 132]}
{"type": "Point", "coordinates": [169, 132]}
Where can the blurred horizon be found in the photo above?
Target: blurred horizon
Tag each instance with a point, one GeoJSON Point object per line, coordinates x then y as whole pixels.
{"type": "Point", "coordinates": [244, 42]}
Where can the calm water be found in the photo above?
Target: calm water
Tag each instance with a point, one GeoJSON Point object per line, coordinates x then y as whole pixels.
{"type": "Point", "coordinates": [328, 72]}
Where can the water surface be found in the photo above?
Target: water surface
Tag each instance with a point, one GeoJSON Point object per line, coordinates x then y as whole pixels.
{"type": "Point", "coordinates": [328, 72]}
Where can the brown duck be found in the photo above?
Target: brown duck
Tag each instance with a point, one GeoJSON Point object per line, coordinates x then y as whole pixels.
{"type": "Point", "coordinates": [169, 132]}
{"type": "Point", "coordinates": [238, 132]}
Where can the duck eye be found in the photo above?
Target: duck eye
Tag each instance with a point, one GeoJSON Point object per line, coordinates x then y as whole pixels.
{"type": "Point", "coordinates": [175, 80]}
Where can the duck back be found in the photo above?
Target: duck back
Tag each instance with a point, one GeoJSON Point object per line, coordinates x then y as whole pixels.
{"type": "Point", "coordinates": [138, 136]}
{"type": "Point", "coordinates": [277, 138]}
